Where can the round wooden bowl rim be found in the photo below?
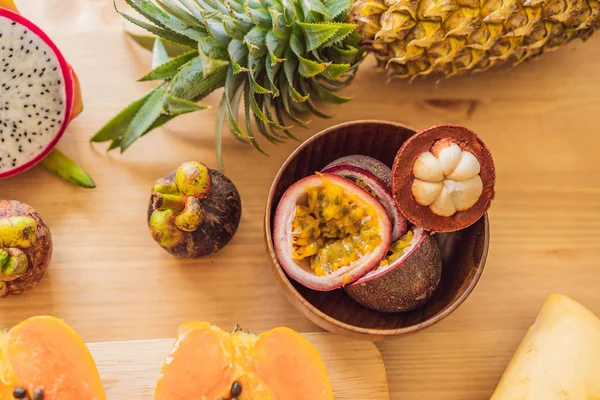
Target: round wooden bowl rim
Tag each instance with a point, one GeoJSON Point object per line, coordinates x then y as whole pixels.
{"type": "Point", "coordinates": [285, 280]}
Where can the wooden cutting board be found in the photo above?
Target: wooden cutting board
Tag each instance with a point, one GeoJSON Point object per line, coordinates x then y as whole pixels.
{"type": "Point", "coordinates": [129, 370]}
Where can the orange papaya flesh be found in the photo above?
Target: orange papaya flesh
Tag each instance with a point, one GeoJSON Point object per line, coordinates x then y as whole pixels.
{"type": "Point", "coordinates": [305, 377]}
{"type": "Point", "coordinates": [205, 362]}
{"type": "Point", "coordinates": [45, 353]}
{"type": "Point", "coordinates": [8, 5]}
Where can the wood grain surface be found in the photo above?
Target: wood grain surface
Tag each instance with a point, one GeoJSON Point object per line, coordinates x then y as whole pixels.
{"type": "Point", "coordinates": [111, 282]}
{"type": "Point", "coordinates": [129, 370]}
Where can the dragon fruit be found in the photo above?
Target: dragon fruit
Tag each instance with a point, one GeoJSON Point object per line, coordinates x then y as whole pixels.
{"type": "Point", "coordinates": [39, 96]}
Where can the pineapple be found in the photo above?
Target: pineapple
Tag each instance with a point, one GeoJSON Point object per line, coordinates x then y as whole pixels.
{"type": "Point", "coordinates": [278, 58]}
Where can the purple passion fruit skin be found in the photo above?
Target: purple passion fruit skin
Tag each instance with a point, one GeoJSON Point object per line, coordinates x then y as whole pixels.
{"type": "Point", "coordinates": [25, 248]}
{"type": "Point", "coordinates": [375, 177]}
{"type": "Point", "coordinates": [407, 283]}
{"type": "Point", "coordinates": [319, 224]}
{"type": "Point", "coordinates": [194, 211]}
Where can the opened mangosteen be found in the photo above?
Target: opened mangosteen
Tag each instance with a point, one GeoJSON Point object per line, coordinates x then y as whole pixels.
{"type": "Point", "coordinates": [376, 178]}
{"type": "Point", "coordinates": [194, 211]}
{"type": "Point", "coordinates": [406, 279]}
{"type": "Point", "coordinates": [25, 248]}
{"type": "Point", "coordinates": [328, 231]}
{"type": "Point", "coordinates": [443, 178]}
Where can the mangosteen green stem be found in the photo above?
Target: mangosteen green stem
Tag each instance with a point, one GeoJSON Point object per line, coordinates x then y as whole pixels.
{"type": "Point", "coordinates": [193, 179]}
{"type": "Point", "coordinates": [175, 202]}
{"type": "Point", "coordinates": [165, 186]}
{"type": "Point", "coordinates": [15, 266]}
{"type": "Point", "coordinates": [191, 217]}
{"type": "Point", "coordinates": [18, 232]}
{"type": "Point", "coordinates": [164, 230]}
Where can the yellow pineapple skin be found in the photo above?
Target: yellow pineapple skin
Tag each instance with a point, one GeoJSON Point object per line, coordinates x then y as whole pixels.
{"type": "Point", "coordinates": [446, 37]}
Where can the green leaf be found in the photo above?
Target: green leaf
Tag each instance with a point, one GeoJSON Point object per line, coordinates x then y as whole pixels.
{"type": "Point", "coordinates": [259, 15]}
{"type": "Point", "coordinates": [309, 68]}
{"type": "Point", "coordinates": [337, 7]}
{"type": "Point", "coordinates": [310, 104]}
{"type": "Point", "coordinates": [219, 133]}
{"type": "Point", "coordinates": [211, 82]}
{"type": "Point", "coordinates": [115, 144]}
{"type": "Point", "coordinates": [163, 33]}
{"type": "Point", "coordinates": [248, 115]}
{"type": "Point", "coordinates": [164, 20]}
{"type": "Point", "coordinates": [234, 86]}
{"type": "Point", "coordinates": [297, 42]}
{"type": "Point", "coordinates": [279, 113]}
{"type": "Point", "coordinates": [62, 166]}
{"type": "Point", "coordinates": [172, 8]}
{"type": "Point", "coordinates": [276, 47]}
{"type": "Point", "coordinates": [212, 48]}
{"type": "Point", "coordinates": [116, 127]}
{"type": "Point", "coordinates": [255, 40]}
{"type": "Point", "coordinates": [238, 55]}
{"type": "Point", "coordinates": [327, 95]}
{"type": "Point", "coordinates": [234, 28]}
{"type": "Point", "coordinates": [280, 28]}
{"type": "Point", "coordinates": [192, 84]}
{"type": "Point", "coordinates": [257, 110]}
{"type": "Point", "coordinates": [159, 54]}
{"type": "Point", "coordinates": [271, 75]}
{"type": "Point", "coordinates": [286, 104]}
{"type": "Point", "coordinates": [217, 30]}
{"type": "Point", "coordinates": [343, 31]}
{"type": "Point", "coordinates": [170, 68]}
{"type": "Point", "coordinates": [317, 6]}
{"type": "Point", "coordinates": [343, 56]}
{"type": "Point", "coordinates": [176, 106]}
{"type": "Point", "coordinates": [334, 71]}
{"type": "Point", "coordinates": [147, 115]}
{"type": "Point", "coordinates": [256, 66]}
{"type": "Point", "coordinates": [289, 67]}
{"type": "Point", "coordinates": [317, 34]}
{"type": "Point", "coordinates": [147, 42]}
{"type": "Point", "coordinates": [193, 10]}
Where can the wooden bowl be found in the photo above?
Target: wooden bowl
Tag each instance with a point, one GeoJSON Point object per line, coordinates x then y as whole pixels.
{"type": "Point", "coordinates": [463, 252]}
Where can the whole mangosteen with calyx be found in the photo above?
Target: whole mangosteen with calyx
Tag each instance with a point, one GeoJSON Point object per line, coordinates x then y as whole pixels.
{"type": "Point", "coordinates": [25, 248]}
{"type": "Point", "coordinates": [194, 211]}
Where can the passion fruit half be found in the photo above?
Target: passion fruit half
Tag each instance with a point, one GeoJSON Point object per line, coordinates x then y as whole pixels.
{"type": "Point", "coordinates": [328, 231]}
{"type": "Point", "coordinates": [406, 279]}
{"type": "Point", "coordinates": [375, 177]}
{"type": "Point", "coordinates": [443, 178]}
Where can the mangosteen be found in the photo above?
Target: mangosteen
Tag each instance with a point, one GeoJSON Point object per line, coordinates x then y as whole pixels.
{"type": "Point", "coordinates": [443, 178]}
{"type": "Point", "coordinates": [375, 177]}
{"type": "Point", "coordinates": [25, 247]}
{"type": "Point", "coordinates": [194, 211]}
{"type": "Point", "coordinates": [406, 279]}
{"type": "Point", "coordinates": [328, 231]}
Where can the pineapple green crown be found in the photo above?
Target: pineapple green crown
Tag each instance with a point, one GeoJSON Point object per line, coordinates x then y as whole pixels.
{"type": "Point", "coordinates": [277, 57]}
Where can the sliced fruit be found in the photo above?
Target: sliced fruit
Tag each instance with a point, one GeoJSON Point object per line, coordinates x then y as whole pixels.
{"type": "Point", "coordinates": [25, 248]}
{"type": "Point", "coordinates": [40, 95]}
{"type": "Point", "coordinates": [328, 231]}
{"type": "Point", "coordinates": [558, 359]}
{"type": "Point", "coordinates": [443, 178]}
{"type": "Point", "coordinates": [406, 279]}
{"type": "Point", "coordinates": [376, 178]}
{"type": "Point", "coordinates": [208, 363]}
{"type": "Point", "coordinates": [44, 355]}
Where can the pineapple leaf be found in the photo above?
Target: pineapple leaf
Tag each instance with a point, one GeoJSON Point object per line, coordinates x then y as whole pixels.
{"type": "Point", "coordinates": [340, 35]}
{"type": "Point", "coordinates": [116, 127]}
{"type": "Point", "coordinates": [276, 47]}
{"type": "Point", "coordinates": [297, 43]}
{"type": "Point", "coordinates": [309, 68]}
{"type": "Point", "coordinates": [280, 28]}
{"type": "Point", "coordinates": [175, 9]}
{"type": "Point", "coordinates": [234, 28]}
{"type": "Point", "coordinates": [317, 34]}
{"type": "Point", "coordinates": [216, 30]}
{"type": "Point", "coordinates": [169, 69]}
{"type": "Point", "coordinates": [163, 33]}
{"type": "Point", "coordinates": [256, 66]}
{"type": "Point", "coordinates": [327, 95]}
{"type": "Point", "coordinates": [238, 55]}
{"type": "Point", "coordinates": [193, 10]}
{"type": "Point", "coordinates": [143, 120]}
{"type": "Point", "coordinates": [115, 144]}
{"type": "Point", "coordinates": [257, 110]}
{"type": "Point", "coordinates": [177, 106]}
{"type": "Point", "coordinates": [310, 104]}
{"type": "Point", "coordinates": [212, 49]}
{"type": "Point", "coordinates": [219, 132]}
{"type": "Point", "coordinates": [192, 84]}
{"type": "Point", "coordinates": [259, 15]}
{"type": "Point", "coordinates": [286, 104]}
{"type": "Point", "coordinates": [289, 68]}
{"type": "Point", "coordinates": [281, 120]}
{"type": "Point", "coordinates": [309, 6]}
{"type": "Point", "coordinates": [147, 42]}
{"type": "Point", "coordinates": [342, 56]}
{"type": "Point", "coordinates": [255, 40]}
{"type": "Point", "coordinates": [272, 70]}
{"type": "Point", "coordinates": [164, 20]}
{"type": "Point", "coordinates": [335, 71]}
{"type": "Point", "coordinates": [337, 7]}
{"type": "Point", "coordinates": [248, 114]}
{"type": "Point", "coordinates": [234, 86]}
{"type": "Point", "coordinates": [159, 54]}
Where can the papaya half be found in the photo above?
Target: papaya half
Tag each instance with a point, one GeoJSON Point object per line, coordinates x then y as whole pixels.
{"type": "Point", "coordinates": [207, 363]}
{"type": "Point", "coordinates": [43, 358]}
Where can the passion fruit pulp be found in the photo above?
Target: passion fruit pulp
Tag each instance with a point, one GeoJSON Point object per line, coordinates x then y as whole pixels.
{"type": "Point", "coordinates": [375, 177]}
{"type": "Point", "coordinates": [406, 279]}
{"type": "Point", "coordinates": [328, 231]}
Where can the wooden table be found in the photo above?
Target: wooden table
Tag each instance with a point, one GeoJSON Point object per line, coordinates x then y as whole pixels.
{"type": "Point", "coordinates": [110, 281]}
